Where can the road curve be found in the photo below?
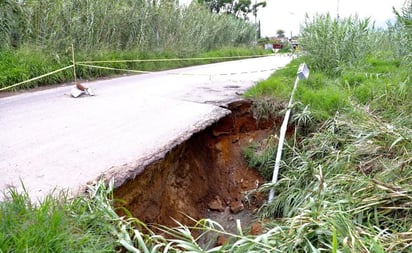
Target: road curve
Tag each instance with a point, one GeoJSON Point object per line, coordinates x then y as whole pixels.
{"type": "Point", "coordinates": [50, 141]}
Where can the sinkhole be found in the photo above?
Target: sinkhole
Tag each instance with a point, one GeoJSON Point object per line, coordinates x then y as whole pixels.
{"type": "Point", "coordinates": [203, 177]}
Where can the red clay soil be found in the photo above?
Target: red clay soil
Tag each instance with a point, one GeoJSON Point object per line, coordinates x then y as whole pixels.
{"type": "Point", "coordinates": [207, 172]}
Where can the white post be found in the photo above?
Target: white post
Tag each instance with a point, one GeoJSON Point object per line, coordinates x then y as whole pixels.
{"type": "Point", "coordinates": [74, 66]}
{"type": "Point", "coordinates": [303, 72]}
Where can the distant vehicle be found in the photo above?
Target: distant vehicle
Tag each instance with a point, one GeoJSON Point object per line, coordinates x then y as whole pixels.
{"type": "Point", "coordinates": [295, 44]}
{"type": "Point", "coordinates": [277, 46]}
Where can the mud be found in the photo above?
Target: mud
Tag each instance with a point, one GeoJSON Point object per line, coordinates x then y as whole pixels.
{"type": "Point", "coordinates": [203, 177]}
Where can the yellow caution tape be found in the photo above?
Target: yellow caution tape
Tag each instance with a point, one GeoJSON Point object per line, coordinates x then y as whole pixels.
{"type": "Point", "coordinates": [110, 68]}
{"type": "Point", "coordinates": [88, 64]}
{"type": "Point", "coordinates": [173, 59]}
{"type": "Point", "coordinates": [177, 73]}
{"type": "Point", "coordinates": [35, 78]}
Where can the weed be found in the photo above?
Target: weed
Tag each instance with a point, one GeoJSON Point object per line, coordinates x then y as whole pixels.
{"type": "Point", "coordinates": [54, 225]}
{"type": "Point", "coordinates": [333, 44]}
{"type": "Point", "coordinates": [262, 156]}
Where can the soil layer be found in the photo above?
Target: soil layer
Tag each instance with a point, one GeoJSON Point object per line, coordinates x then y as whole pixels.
{"type": "Point", "coordinates": [207, 173]}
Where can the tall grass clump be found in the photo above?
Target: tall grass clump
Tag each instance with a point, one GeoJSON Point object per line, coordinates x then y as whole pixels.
{"type": "Point", "coordinates": [56, 224]}
{"type": "Point", "coordinates": [332, 44]}
{"type": "Point", "coordinates": [402, 31]}
{"type": "Point", "coordinates": [119, 25]}
{"type": "Point", "coordinates": [14, 24]}
{"type": "Point", "coordinates": [347, 186]}
{"type": "Point", "coordinates": [260, 156]}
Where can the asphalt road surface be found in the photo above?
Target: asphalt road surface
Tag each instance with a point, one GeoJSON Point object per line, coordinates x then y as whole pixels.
{"type": "Point", "coordinates": [50, 141]}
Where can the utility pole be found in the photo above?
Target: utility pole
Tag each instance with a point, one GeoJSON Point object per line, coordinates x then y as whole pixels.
{"type": "Point", "coordinates": [255, 12]}
{"type": "Point", "coordinates": [256, 25]}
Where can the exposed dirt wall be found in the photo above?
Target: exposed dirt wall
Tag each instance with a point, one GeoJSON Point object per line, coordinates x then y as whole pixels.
{"type": "Point", "coordinates": [208, 171]}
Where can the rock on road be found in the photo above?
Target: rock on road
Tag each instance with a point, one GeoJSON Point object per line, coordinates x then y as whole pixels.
{"type": "Point", "coordinates": [50, 141]}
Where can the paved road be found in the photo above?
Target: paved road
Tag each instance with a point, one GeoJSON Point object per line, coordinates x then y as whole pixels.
{"type": "Point", "coordinates": [51, 141]}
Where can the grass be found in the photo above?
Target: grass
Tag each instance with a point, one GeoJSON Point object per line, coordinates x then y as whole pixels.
{"type": "Point", "coordinates": [57, 224]}
{"type": "Point", "coordinates": [128, 25]}
{"type": "Point", "coordinates": [261, 156]}
{"type": "Point", "coordinates": [345, 181]}
{"type": "Point", "coordinates": [333, 43]}
{"type": "Point", "coordinates": [320, 92]}
{"type": "Point", "coordinates": [345, 186]}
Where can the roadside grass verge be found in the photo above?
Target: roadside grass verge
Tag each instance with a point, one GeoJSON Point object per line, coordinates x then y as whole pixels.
{"type": "Point", "coordinates": [57, 224]}
{"type": "Point", "coordinates": [323, 94]}
{"type": "Point", "coordinates": [382, 84]}
{"type": "Point", "coordinates": [345, 176]}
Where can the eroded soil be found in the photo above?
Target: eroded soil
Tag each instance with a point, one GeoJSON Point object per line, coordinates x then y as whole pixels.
{"type": "Point", "coordinates": [206, 176]}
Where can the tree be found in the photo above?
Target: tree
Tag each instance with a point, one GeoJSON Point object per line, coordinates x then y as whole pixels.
{"type": "Point", "coordinates": [280, 33]}
{"type": "Point", "coordinates": [256, 6]}
{"type": "Point", "coordinates": [215, 5]}
{"type": "Point", "coordinates": [238, 8]}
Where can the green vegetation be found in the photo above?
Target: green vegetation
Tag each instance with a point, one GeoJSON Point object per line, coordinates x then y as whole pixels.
{"type": "Point", "coordinates": [345, 181]}
{"type": "Point", "coordinates": [142, 25]}
{"type": "Point", "coordinates": [333, 44]}
{"type": "Point", "coordinates": [240, 8]}
{"type": "Point", "coordinates": [58, 224]}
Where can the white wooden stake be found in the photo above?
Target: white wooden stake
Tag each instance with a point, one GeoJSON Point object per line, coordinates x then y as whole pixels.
{"type": "Point", "coordinates": [303, 73]}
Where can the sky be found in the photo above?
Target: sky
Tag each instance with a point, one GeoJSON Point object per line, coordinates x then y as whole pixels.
{"type": "Point", "coordinates": [289, 14]}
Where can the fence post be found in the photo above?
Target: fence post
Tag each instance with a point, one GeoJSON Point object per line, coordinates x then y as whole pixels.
{"type": "Point", "coordinates": [74, 65]}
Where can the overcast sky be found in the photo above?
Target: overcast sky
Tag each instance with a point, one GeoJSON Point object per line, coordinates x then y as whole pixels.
{"type": "Point", "coordinates": [289, 14]}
